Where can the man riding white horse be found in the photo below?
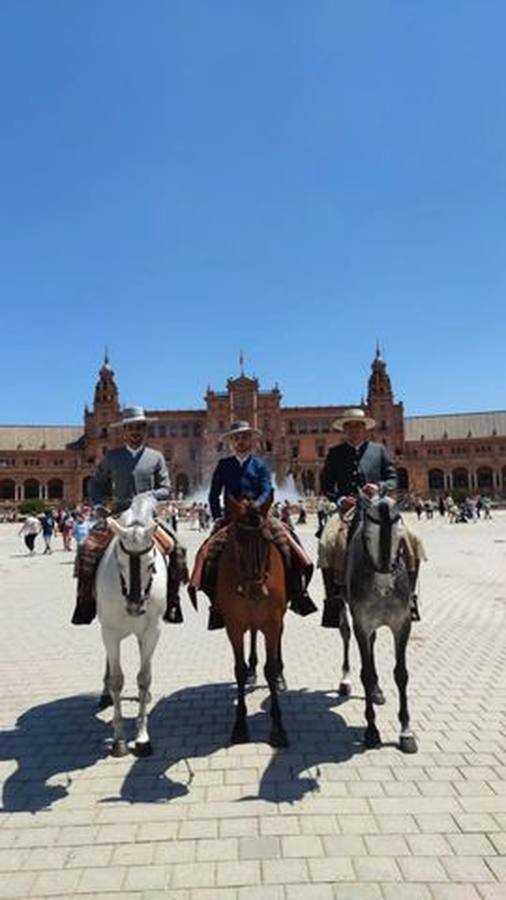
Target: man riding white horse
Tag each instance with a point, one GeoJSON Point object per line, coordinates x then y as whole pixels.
{"type": "Point", "coordinates": [241, 476]}
{"type": "Point", "coordinates": [125, 472]}
{"type": "Point", "coordinates": [353, 465]}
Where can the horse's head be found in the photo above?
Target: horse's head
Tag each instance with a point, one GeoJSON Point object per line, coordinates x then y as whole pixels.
{"type": "Point", "coordinates": [246, 512]}
{"type": "Point", "coordinates": [381, 530]}
{"type": "Point", "coordinates": [135, 553]}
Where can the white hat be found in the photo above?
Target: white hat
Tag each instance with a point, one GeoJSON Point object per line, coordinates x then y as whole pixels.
{"type": "Point", "coordinates": [355, 414]}
{"type": "Point", "coordinates": [131, 414]}
{"type": "Point", "coordinates": [241, 428]}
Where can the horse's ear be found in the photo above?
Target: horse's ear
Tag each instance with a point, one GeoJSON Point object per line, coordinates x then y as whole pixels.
{"type": "Point", "coordinates": [114, 526]}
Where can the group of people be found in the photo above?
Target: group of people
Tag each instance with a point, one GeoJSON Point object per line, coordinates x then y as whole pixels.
{"type": "Point", "coordinates": [469, 508]}
{"type": "Point", "coordinates": [353, 466]}
{"type": "Point", "coordinates": [72, 525]}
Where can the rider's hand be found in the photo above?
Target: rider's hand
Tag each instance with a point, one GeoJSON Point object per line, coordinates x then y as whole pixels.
{"type": "Point", "coordinates": [347, 503]}
{"type": "Point", "coordinates": [370, 489]}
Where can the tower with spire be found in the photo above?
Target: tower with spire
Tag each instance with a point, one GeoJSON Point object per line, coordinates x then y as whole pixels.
{"type": "Point", "coordinates": [105, 411]}
{"type": "Point", "coordinates": [381, 406]}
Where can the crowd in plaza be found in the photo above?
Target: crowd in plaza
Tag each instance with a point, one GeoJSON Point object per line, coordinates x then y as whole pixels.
{"type": "Point", "coordinates": [470, 508]}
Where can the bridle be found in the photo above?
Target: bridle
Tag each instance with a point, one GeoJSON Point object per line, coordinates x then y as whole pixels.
{"type": "Point", "coordinates": [385, 523]}
{"type": "Point", "coordinates": [135, 597]}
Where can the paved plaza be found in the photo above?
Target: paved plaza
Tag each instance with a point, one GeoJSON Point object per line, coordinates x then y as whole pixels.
{"type": "Point", "coordinates": [200, 820]}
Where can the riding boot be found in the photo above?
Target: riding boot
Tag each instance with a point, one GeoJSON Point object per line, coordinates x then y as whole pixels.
{"type": "Point", "coordinates": [86, 604]}
{"type": "Point", "coordinates": [176, 573]}
{"type": "Point", "coordinates": [300, 601]}
{"type": "Point", "coordinates": [334, 598]}
{"type": "Point", "coordinates": [209, 579]}
{"type": "Point", "coordinates": [413, 598]}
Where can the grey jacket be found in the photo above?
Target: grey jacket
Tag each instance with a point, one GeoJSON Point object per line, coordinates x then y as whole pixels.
{"type": "Point", "coordinates": [122, 475]}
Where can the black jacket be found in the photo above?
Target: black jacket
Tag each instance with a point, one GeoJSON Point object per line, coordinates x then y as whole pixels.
{"type": "Point", "coordinates": [348, 468]}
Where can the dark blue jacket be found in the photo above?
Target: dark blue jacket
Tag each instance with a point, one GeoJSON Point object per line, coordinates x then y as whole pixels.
{"type": "Point", "coordinates": [348, 468]}
{"type": "Point", "coordinates": [252, 480]}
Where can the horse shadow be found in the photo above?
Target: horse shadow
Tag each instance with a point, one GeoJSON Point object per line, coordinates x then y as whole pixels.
{"type": "Point", "coordinates": [196, 722]}
{"type": "Point", "coordinates": [49, 740]}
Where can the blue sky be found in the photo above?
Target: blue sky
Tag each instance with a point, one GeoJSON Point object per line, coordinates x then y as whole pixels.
{"type": "Point", "coordinates": [180, 180]}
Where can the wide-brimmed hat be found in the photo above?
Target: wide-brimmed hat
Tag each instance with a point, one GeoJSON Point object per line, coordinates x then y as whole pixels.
{"type": "Point", "coordinates": [131, 414]}
{"type": "Point", "coordinates": [241, 428]}
{"type": "Point", "coordinates": [355, 414]}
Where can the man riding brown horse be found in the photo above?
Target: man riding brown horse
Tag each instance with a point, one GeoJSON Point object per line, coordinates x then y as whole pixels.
{"type": "Point", "coordinates": [125, 472]}
{"type": "Point", "coordinates": [245, 476]}
{"type": "Point", "coordinates": [356, 464]}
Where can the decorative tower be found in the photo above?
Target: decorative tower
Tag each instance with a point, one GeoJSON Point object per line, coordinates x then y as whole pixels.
{"type": "Point", "coordinates": [379, 387]}
{"type": "Point", "coordinates": [389, 415]}
{"type": "Point", "coordinates": [105, 411]}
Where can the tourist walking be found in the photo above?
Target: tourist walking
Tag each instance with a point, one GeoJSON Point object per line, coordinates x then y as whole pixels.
{"type": "Point", "coordinates": [48, 525]}
{"type": "Point", "coordinates": [29, 530]}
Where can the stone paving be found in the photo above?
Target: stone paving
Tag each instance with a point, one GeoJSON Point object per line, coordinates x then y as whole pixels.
{"type": "Point", "coordinates": [200, 820]}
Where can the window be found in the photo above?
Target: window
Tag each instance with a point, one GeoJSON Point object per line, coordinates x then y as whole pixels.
{"type": "Point", "coordinates": [162, 430]}
{"type": "Point", "coordinates": [294, 450]}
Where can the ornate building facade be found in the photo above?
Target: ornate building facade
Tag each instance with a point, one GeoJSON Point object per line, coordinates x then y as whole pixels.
{"type": "Point", "coordinates": [434, 454]}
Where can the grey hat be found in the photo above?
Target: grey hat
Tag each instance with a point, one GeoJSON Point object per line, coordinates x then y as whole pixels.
{"type": "Point", "coordinates": [241, 428]}
{"type": "Point", "coordinates": [355, 414]}
{"type": "Point", "coordinates": [131, 414]}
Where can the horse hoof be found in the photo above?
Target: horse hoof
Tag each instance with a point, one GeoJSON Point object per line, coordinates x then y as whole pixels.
{"type": "Point", "coordinates": [105, 701]}
{"type": "Point", "coordinates": [344, 689]}
{"type": "Point", "coordinates": [143, 749]}
{"type": "Point", "coordinates": [281, 685]}
{"type": "Point", "coordinates": [119, 749]}
{"type": "Point", "coordinates": [372, 738]}
{"type": "Point", "coordinates": [378, 697]}
{"type": "Point", "coordinates": [240, 735]}
{"type": "Point", "coordinates": [407, 744]}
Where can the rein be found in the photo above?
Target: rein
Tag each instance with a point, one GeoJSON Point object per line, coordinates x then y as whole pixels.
{"type": "Point", "coordinates": [385, 539]}
{"type": "Point", "coordinates": [135, 595]}
{"type": "Point", "coordinates": [251, 556]}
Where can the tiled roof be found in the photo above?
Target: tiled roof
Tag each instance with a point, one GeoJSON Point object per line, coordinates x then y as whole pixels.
{"type": "Point", "coordinates": [455, 426]}
{"type": "Point", "coordinates": [38, 437]}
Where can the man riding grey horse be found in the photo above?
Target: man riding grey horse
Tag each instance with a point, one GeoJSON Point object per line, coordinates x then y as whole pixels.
{"type": "Point", "coordinates": [124, 473]}
{"type": "Point", "coordinates": [356, 464]}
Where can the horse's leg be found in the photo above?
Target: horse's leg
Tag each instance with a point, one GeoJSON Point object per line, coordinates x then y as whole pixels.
{"type": "Point", "coordinates": [251, 678]}
{"type": "Point", "coordinates": [345, 632]}
{"type": "Point", "coordinates": [240, 734]}
{"type": "Point", "coordinates": [105, 698]}
{"type": "Point", "coordinates": [116, 681]}
{"type": "Point", "coordinates": [281, 681]}
{"type": "Point", "coordinates": [147, 644]}
{"type": "Point", "coordinates": [378, 696]}
{"type": "Point", "coordinates": [372, 736]}
{"type": "Point", "coordinates": [277, 737]}
{"type": "Point", "coordinates": [407, 741]}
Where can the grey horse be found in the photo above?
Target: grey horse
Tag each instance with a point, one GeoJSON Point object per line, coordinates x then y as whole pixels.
{"type": "Point", "coordinates": [378, 593]}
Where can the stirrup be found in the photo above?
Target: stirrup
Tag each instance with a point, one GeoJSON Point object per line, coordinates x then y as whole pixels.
{"type": "Point", "coordinates": [84, 613]}
{"type": "Point", "coordinates": [303, 605]}
{"type": "Point", "coordinates": [173, 614]}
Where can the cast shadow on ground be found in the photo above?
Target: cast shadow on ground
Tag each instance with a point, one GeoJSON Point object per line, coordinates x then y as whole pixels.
{"type": "Point", "coordinates": [196, 722]}
{"type": "Point", "coordinates": [51, 739]}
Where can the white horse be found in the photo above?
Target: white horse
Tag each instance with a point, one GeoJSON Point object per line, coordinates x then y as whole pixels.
{"type": "Point", "coordinates": [131, 588]}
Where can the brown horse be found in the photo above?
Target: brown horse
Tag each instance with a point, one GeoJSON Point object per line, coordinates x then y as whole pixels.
{"type": "Point", "coordinates": [251, 594]}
